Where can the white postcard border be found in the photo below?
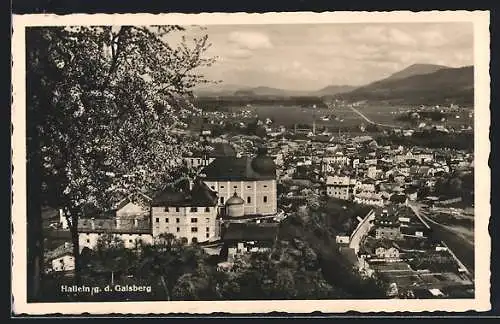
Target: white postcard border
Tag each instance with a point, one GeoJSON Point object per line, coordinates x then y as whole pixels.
{"type": "Point", "coordinates": [481, 302]}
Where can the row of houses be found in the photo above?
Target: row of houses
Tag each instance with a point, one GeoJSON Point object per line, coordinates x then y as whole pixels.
{"type": "Point", "coordinates": [366, 192]}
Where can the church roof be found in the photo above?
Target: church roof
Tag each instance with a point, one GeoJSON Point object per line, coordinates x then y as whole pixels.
{"type": "Point", "coordinates": [240, 169]}
{"type": "Point", "coordinates": [199, 196]}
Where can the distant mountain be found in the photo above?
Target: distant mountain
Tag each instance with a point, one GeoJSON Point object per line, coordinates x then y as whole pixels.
{"type": "Point", "coordinates": [262, 91]}
{"type": "Point", "coordinates": [444, 85]}
{"type": "Point", "coordinates": [333, 90]}
{"type": "Point", "coordinates": [416, 69]}
{"type": "Point", "coordinates": [221, 89]}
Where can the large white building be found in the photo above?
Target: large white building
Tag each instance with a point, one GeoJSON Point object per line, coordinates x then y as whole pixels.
{"type": "Point", "coordinates": [251, 178]}
{"type": "Point", "coordinates": [190, 213]}
{"type": "Point", "coordinates": [340, 187]}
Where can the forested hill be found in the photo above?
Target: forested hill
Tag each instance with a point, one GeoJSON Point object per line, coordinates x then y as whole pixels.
{"type": "Point", "coordinates": [448, 85]}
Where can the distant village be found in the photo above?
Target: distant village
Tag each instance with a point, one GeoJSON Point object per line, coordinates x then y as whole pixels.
{"type": "Point", "coordinates": [241, 187]}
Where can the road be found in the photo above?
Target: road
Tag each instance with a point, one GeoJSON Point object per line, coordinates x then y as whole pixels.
{"type": "Point", "coordinates": [368, 120]}
{"type": "Point", "coordinates": [462, 248]}
{"type": "Point", "coordinates": [360, 232]}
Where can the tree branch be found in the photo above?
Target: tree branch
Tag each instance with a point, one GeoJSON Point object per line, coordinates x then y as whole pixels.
{"type": "Point", "coordinates": [115, 54]}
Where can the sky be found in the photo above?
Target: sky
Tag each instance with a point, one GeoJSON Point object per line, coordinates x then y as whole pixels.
{"type": "Point", "coordinates": [312, 56]}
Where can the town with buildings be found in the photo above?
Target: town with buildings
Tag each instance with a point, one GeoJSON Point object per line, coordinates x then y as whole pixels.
{"type": "Point", "coordinates": [251, 162]}
{"type": "Point", "coordinates": [238, 190]}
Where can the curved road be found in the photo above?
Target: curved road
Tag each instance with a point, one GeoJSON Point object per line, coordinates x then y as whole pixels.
{"type": "Point", "coordinates": [369, 120]}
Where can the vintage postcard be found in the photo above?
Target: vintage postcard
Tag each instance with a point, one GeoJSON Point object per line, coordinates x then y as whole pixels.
{"type": "Point", "coordinates": [251, 163]}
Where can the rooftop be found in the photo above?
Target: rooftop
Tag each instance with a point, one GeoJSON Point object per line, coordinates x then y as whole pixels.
{"type": "Point", "coordinates": [114, 225]}
{"type": "Point", "coordinates": [199, 196]}
{"type": "Point", "coordinates": [240, 169]}
{"type": "Point", "coordinates": [61, 250]}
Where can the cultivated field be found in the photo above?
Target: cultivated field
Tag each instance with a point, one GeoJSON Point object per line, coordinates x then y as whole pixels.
{"type": "Point", "coordinates": [343, 116]}
{"type": "Point", "coordinates": [290, 115]}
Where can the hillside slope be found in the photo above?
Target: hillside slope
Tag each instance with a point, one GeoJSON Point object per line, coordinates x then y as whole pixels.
{"type": "Point", "coordinates": [445, 85]}
{"type": "Point", "coordinates": [416, 69]}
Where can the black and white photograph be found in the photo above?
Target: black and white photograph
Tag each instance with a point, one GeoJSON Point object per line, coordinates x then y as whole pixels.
{"type": "Point", "coordinates": [315, 162]}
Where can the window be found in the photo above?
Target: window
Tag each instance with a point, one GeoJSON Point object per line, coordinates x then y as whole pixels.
{"type": "Point", "coordinates": [265, 199]}
{"type": "Point", "coordinates": [199, 160]}
{"type": "Point", "coordinates": [249, 187]}
{"type": "Point", "coordinates": [177, 209]}
{"type": "Point", "coordinates": [194, 209]}
{"type": "Point", "coordinates": [207, 209]}
{"type": "Point", "coordinates": [177, 220]}
{"type": "Point", "coordinates": [157, 220]}
{"type": "Point", "coordinates": [212, 187]}
{"type": "Point", "coordinates": [265, 186]}
{"type": "Point", "coordinates": [166, 220]}
{"type": "Point", "coordinates": [194, 229]}
{"type": "Point", "coordinates": [249, 200]}
{"type": "Point", "coordinates": [207, 235]}
{"type": "Point", "coordinates": [222, 187]}
{"type": "Point", "coordinates": [221, 200]}
{"type": "Point", "coordinates": [194, 240]}
{"type": "Point", "coordinates": [207, 220]}
{"type": "Point", "coordinates": [178, 229]}
{"type": "Point", "coordinates": [235, 187]}
{"type": "Point", "coordinates": [165, 209]}
{"type": "Point", "coordinates": [130, 241]}
{"type": "Point", "coordinates": [208, 229]}
{"type": "Point", "coordinates": [194, 220]}
{"type": "Point", "coordinates": [88, 241]}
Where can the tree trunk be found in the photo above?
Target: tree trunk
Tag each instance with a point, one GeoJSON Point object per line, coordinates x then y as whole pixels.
{"type": "Point", "coordinates": [165, 287]}
{"type": "Point", "coordinates": [34, 217]}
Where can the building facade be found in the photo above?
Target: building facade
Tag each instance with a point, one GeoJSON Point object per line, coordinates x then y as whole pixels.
{"type": "Point", "coordinates": [133, 233]}
{"type": "Point", "coordinates": [369, 198]}
{"type": "Point", "coordinates": [340, 187]}
{"type": "Point", "coordinates": [387, 226]}
{"type": "Point", "coordinates": [64, 263]}
{"type": "Point", "coordinates": [130, 222]}
{"type": "Point", "coordinates": [251, 178]}
{"type": "Point", "coordinates": [191, 214]}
